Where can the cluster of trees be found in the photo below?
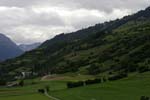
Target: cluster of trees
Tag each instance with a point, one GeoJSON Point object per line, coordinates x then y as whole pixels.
{"type": "Point", "coordinates": [41, 91]}
{"type": "Point", "coordinates": [83, 83]}
{"type": "Point", "coordinates": [2, 82]}
{"type": "Point", "coordinates": [46, 89]}
{"type": "Point", "coordinates": [88, 82]}
{"type": "Point", "coordinates": [143, 69]}
{"type": "Point", "coordinates": [118, 76]}
{"type": "Point", "coordinates": [21, 83]}
{"type": "Point", "coordinates": [145, 66]}
{"type": "Point", "coordinates": [96, 68]}
{"type": "Point", "coordinates": [145, 98]}
{"type": "Point", "coordinates": [75, 84]}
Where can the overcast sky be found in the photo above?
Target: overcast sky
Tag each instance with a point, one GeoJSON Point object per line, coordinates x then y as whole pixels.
{"type": "Point", "coordinates": [29, 21]}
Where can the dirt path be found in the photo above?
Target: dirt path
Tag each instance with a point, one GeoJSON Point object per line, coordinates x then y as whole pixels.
{"type": "Point", "coordinates": [51, 97]}
{"type": "Point", "coordinates": [53, 77]}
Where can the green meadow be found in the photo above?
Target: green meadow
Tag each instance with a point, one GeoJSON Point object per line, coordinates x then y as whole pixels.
{"type": "Point", "coordinates": [130, 88]}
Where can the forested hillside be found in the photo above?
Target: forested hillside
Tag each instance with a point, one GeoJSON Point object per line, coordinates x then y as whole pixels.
{"type": "Point", "coordinates": [122, 45]}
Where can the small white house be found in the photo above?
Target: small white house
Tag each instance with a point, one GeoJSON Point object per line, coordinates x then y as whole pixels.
{"type": "Point", "coordinates": [26, 74]}
{"type": "Point", "coordinates": [23, 75]}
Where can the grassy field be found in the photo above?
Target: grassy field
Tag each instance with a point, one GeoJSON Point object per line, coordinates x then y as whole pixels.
{"type": "Point", "coordinates": [29, 91]}
{"type": "Point", "coordinates": [26, 97]}
{"type": "Point", "coordinates": [22, 93]}
{"type": "Point", "coordinates": [131, 88]}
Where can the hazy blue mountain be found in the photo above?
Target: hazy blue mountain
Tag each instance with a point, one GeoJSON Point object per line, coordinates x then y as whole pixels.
{"type": "Point", "coordinates": [8, 49]}
{"type": "Point", "coordinates": [29, 47]}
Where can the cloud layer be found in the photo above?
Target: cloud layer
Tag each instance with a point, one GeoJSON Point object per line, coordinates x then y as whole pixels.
{"type": "Point", "coordinates": [32, 21]}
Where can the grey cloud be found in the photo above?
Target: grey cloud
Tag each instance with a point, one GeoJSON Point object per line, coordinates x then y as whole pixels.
{"type": "Point", "coordinates": [17, 3]}
{"type": "Point", "coordinates": [105, 5]}
{"type": "Point", "coordinates": [28, 21]}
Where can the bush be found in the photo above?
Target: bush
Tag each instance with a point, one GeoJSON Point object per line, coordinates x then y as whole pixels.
{"type": "Point", "coordinates": [47, 88]}
{"type": "Point", "coordinates": [75, 84]}
{"type": "Point", "coordinates": [82, 83]}
{"type": "Point", "coordinates": [95, 69]}
{"type": "Point", "coordinates": [2, 82]}
{"type": "Point", "coordinates": [143, 69]}
{"type": "Point", "coordinates": [104, 79]}
{"type": "Point", "coordinates": [21, 83]}
{"type": "Point", "coordinates": [118, 76]}
{"type": "Point", "coordinates": [144, 98]}
{"type": "Point", "coordinates": [88, 82]}
{"type": "Point", "coordinates": [41, 91]}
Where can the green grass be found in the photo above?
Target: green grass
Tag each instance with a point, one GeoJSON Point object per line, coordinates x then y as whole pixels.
{"type": "Point", "coordinates": [29, 91]}
{"type": "Point", "coordinates": [131, 88]}
{"type": "Point", "coordinates": [26, 97]}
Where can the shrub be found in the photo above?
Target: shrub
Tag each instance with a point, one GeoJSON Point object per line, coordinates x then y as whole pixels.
{"type": "Point", "coordinates": [144, 98]}
{"type": "Point", "coordinates": [21, 83]}
{"type": "Point", "coordinates": [82, 83]}
{"type": "Point", "coordinates": [143, 69]}
{"type": "Point", "coordinates": [75, 84]}
{"type": "Point", "coordinates": [104, 79]}
{"type": "Point", "coordinates": [95, 69]}
{"type": "Point", "coordinates": [88, 82]}
{"type": "Point", "coordinates": [47, 88]}
{"type": "Point", "coordinates": [118, 76]}
{"type": "Point", "coordinates": [2, 82]}
{"type": "Point", "coordinates": [41, 91]}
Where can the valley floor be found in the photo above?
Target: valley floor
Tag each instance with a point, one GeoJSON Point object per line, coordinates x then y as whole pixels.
{"type": "Point", "coordinates": [131, 88]}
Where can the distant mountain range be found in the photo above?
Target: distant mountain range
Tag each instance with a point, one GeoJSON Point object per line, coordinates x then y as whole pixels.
{"type": "Point", "coordinates": [8, 49]}
{"type": "Point", "coordinates": [29, 47]}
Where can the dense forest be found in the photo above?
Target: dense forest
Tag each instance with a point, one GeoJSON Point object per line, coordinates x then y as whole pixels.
{"type": "Point", "coordinates": [122, 45]}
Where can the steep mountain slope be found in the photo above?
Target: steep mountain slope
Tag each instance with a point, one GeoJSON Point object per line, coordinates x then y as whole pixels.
{"type": "Point", "coordinates": [29, 47]}
{"type": "Point", "coordinates": [107, 26]}
{"type": "Point", "coordinates": [120, 45]}
{"type": "Point", "coordinates": [8, 49]}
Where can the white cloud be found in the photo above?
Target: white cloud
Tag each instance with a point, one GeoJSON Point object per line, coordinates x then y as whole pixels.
{"type": "Point", "coordinates": [31, 21]}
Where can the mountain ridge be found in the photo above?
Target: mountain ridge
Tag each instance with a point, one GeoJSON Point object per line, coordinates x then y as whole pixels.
{"type": "Point", "coordinates": [29, 47]}
{"type": "Point", "coordinates": [8, 49]}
